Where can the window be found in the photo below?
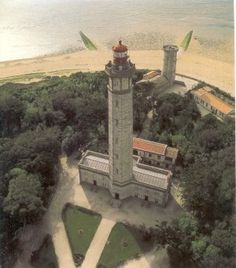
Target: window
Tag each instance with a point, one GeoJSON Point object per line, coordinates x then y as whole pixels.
{"type": "Point", "coordinates": [116, 156]}
{"type": "Point", "coordinates": [117, 171]}
{"type": "Point", "coordinates": [116, 122]}
{"type": "Point", "coordinates": [117, 103]}
{"type": "Point", "coordinates": [116, 140]}
{"type": "Point", "coordinates": [116, 83]}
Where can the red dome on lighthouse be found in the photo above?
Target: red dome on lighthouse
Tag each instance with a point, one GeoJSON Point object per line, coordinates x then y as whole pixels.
{"type": "Point", "coordinates": [120, 54]}
{"type": "Point", "coordinates": [120, 47]}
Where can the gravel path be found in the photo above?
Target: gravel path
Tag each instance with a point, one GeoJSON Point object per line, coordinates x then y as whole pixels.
{"type": "Point", "coordinates": [98, 243]}
{"type": "Point", "coordinates": [62, 248]}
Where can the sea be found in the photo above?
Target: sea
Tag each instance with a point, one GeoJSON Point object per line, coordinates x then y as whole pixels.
{"type": "Point", "coordinates": [30, 28]}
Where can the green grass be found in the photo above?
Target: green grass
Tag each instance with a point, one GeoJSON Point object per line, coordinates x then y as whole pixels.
{"type": "Point", "coordinates": [121, 246]}
{"type": "Point", "coordinates": [81, 225]}
{"type": "Point", "coordinates": [45, 257]}
{"type": "Point", "coordinates": [27, 78]}
{"type": "Point", "coordinates": [22, 77]}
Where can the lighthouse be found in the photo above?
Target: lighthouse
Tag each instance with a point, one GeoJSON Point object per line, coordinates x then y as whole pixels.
{"type": "Point", "coordinates": [120, 111]}
{"type": "Point", "coordinates": [121, 173]}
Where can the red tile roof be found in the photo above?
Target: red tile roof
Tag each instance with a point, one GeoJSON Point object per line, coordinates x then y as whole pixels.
{"type": "Point", "coordinates": [120, 47]}
{"type": "Point", "coordinates": [149, 146]}
{"type": "Point", "coordinates": [213, 100]}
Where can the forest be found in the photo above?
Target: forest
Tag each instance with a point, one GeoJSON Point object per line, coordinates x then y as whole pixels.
{"type": "Point", "coordinates": [66, 115]}
{"type": "Point", "coordinates": [203, 236]}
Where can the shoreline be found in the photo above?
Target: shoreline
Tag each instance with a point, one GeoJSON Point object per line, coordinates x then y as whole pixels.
{"type": "Point", "coordinates": [213, 71]}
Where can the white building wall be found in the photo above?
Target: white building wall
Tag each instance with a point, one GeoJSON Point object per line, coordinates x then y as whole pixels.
{"type": "Point", "coordinates": [154, 195]}
{"type": "Point", "coordinates": [123, 191]}
{"type": "Point", "coordinates": [130, 190]}
{"type": "Point", "coordinates": [91, 176]}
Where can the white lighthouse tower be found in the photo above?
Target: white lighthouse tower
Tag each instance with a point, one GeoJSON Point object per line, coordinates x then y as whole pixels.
{"type": "Point", "coordinates": [120, 109]}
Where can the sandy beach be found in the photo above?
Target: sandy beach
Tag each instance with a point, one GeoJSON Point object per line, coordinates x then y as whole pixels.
{"type": "Point", "coordinates": [216, 72]}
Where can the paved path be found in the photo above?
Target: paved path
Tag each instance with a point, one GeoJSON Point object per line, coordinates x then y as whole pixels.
{"type": "Point", "coordinates": [62, 247]}
{"type": "Point", "coordinates": [98, 243]}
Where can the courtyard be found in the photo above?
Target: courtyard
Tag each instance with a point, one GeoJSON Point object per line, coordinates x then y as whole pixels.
{"type": "Point", "coordinates": [133, 211]}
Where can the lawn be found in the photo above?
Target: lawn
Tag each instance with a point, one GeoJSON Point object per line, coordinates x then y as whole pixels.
{"type": "Point", "coordinates": [81, 225]}
{"type": "Point", "coordinates": [121, 246]}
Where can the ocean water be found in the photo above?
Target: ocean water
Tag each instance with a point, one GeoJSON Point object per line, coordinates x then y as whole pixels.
{"type": "Point", "coordinates": [30, 28]}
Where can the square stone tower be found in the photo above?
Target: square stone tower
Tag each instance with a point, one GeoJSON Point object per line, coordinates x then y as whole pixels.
{"type": "Point", "coordinates": [120, 110]}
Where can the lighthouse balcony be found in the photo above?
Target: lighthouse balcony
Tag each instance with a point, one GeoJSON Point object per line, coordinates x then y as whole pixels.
{"type": "Point", "coordinates": [120, 70]}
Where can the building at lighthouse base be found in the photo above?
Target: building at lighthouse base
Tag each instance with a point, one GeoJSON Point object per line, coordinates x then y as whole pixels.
{"type": "Point", "coordinates": [148, 183]}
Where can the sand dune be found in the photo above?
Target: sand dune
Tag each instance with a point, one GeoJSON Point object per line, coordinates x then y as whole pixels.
{"type": "Point", "coordinates": [213, 71]}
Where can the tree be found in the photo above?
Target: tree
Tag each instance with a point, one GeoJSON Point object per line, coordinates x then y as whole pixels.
{"type": "Point", "coordinates": [32, 117]}
{"type": "Point", "coordinates": [212, 258]}
{"type": "Point", "coordinates": [35, 151]}
{"type": "Point", "coordinates": [210, 140]}
{"type": "Point", "coordinates": [208, 186]}
{"type": "Point", "coordinates": [177, 237]}
{"type": "Point", "coordinates": [55, 118]}
{"type": "Point", "coordinates": [11, 113]}
{"type": "Point", "coordinates": [166, 115]}
{"type": "Point", "coordinates": [24, 196]}
{"type": "Point", "coordinates": [209, 121]}
{"type": "Point", "coordinates": [181, 143]}
{"type": "Point", "coordinates": [223, 238]}
{"type": "Point", "coordinates": [71, 140]}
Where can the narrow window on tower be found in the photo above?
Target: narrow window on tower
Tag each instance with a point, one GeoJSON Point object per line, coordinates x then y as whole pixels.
{"type": "Point", "coordinates": [117, 156]}
{"type": "Point", "coordinates": [116, 103]}
{"type": "Point", "coordinates": [116, 122]}
{"type": "Point", "coordinates": [116, 141]}
{"type": "Point", "coordinates": [117, 171]}
{"type": "Point", "coordinates": [110, 82]}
